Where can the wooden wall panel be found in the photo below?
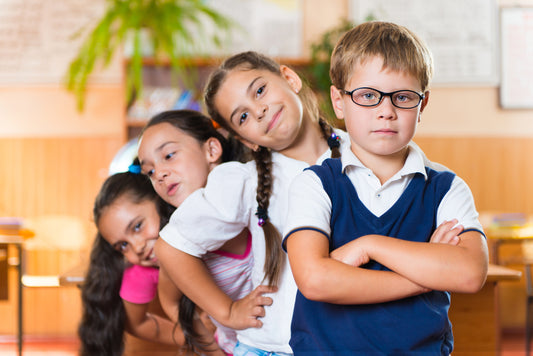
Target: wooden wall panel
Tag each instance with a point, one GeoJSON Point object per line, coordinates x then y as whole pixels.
{"type": "Point", "coordinates": [498, 170]}
{"type": "Point", "coordinates": [53, 175]}
{"type": "Point", "coordinates": [50, 176]}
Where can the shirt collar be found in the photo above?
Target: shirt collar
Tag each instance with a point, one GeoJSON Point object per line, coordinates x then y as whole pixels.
{"type": "Point", "coordinates": [413, 164]}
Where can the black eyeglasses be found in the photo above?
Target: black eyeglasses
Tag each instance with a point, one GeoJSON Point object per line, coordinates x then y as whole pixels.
{"type": "Point", "coordinates": [403, 99]}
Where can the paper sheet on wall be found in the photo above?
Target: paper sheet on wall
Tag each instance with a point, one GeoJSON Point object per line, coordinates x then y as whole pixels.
{"type": "Point", "coordinates": [272, 27]}
{"type": "Point", "coordinates": [37, 40]}
{"type": "Point", "coordinates": [516, 90]}
{"type": "Point", "coordinates": [462, 35]}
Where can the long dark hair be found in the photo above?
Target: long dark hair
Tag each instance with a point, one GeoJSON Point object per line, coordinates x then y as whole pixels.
{"type": "Point", "coordinates": [101, 330]}
{"type": "Point", "coordinates": [200, 127]}
{"type": "Point", "coordinates": [274, 259]}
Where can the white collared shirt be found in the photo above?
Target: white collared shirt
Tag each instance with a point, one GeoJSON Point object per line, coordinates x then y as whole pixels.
{"type": "Point", "coordinates": [310, 205]}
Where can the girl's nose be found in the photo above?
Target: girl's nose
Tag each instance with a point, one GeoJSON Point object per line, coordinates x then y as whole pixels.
{"type": "Point", "coordinates": [261, 110]}
{"type": "Point", "coordinates": [138, 245]}
{"type": "Point", "coordinates": [160, 173]}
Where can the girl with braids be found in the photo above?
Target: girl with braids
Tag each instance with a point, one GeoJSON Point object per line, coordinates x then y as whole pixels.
{"type": "Point", "coordinates": [123, 273]}
{"type": "Point", "coordinates": [268, 108]}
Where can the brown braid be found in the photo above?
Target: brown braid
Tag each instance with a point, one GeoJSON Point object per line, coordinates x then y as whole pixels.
{"type": "Point", "coordinates": [274, 256]}
{"type": "Point", "coordinates": [274, 259]}
{"type": "Point", "coordinates": [327, 130]}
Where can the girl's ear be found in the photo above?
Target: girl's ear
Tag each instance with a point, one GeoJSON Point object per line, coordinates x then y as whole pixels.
{"type": "Point", "coordinates": [337, 102]}
{"type": "Point", "coordinates": [213, 150]}
{"type": "Point", "coordinates": [294, 80]}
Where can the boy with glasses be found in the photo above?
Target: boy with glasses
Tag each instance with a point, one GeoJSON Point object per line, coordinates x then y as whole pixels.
{"type": "Point", "coordinates": [386, 290]}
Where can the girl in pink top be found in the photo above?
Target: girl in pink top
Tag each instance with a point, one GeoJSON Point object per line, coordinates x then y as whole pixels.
{"type": "Point", "coordinates": [123, 274]}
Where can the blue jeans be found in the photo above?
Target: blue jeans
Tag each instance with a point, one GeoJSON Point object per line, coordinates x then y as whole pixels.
{"type": "Point", "coordinates": [245, 350]}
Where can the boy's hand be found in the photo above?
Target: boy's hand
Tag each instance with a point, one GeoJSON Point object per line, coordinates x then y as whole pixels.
{"type": "Point", "coordinates": [446, 233]}
{"type": "Point", "coordinates": [244, 312]}
{"type": "Point", "coordinates": [351, 253]}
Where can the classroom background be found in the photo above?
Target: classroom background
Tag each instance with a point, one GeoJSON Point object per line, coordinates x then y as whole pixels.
{"type": "Point", "coordinates": [53, 158]}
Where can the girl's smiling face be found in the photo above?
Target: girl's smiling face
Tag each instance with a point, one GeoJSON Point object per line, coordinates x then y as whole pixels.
{"type": "Point", "coordinates": [262, 107]}
{"type": "Point", "coordinates": [176, 163]}
{"type": "Point", "coordinates": [132, 228]}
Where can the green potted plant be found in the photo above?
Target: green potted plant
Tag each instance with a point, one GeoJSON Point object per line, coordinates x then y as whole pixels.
{"type": "Point", "coordinates": [318, 69]}
{"type": "Point", "coordinates": [175, 28]}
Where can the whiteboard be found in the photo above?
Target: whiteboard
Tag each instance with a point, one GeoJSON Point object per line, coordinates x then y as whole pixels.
{"type": "Point", "coordinates": [37, 40]}
{"type": "Point", "coordinates": [516, 89]}
{"type": "Point", "coordinates": [462, 35]}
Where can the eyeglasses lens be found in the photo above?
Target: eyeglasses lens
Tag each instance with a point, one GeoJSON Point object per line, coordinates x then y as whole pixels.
{"type": "Point", "coordinates": [405, 99]}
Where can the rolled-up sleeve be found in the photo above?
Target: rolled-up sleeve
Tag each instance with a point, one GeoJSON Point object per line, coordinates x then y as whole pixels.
{"type": "Point", "coordinates": [459, 204]}
{"type": "Point", "coordinates": [215, 214]}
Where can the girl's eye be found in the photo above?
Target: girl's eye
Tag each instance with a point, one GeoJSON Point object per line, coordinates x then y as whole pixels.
{"type": "Point", "coordinates": [260, 90]}
{"type": "Point", "coordinates": [149, 173]}
{"type": "Point", "coordinates": [137, 227]}
{"type": "Point", "coordinates": [121, 246]}
{"type": "Point", "coordinates": [169, 155]}
{"type": "Point", "coordinates": [243, 118]}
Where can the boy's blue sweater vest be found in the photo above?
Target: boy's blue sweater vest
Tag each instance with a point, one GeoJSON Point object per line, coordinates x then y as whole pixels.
{"type": "Point", "coordinates": [416, 325]}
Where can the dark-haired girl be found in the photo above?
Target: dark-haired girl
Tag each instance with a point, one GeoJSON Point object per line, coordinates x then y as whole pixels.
{"type": "Point", "coordinates": [124, 272]}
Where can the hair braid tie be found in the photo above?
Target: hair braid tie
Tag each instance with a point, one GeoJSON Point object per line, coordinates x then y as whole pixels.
{"type": "Point", "coordinates": [334, 141]}
{"type": "Point", "coordinates": [262, 215]}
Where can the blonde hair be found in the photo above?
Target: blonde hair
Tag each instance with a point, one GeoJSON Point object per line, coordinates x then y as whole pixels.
{"type": "Point", "coordinates": [400, 49]}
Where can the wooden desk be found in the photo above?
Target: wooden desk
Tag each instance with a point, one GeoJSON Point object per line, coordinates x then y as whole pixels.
{"type": "Point", "coordinates": [15, 236]}
{"type": "Point", "coordinates": [499, 235]}
{"type": "Point", "coordinates": [475, 317]}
